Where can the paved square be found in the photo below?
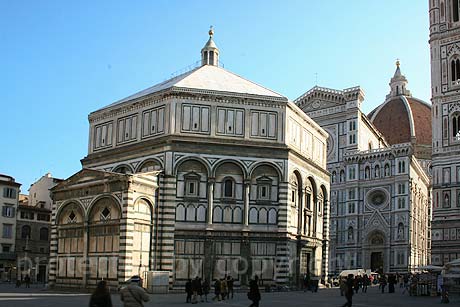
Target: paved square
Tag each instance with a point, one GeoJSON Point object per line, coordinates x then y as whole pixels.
{"type": "Point", "coordinates": [36, 297]}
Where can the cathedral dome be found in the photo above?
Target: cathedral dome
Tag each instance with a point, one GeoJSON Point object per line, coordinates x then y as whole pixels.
{"type": "Point", "coordinates": [403, 118]}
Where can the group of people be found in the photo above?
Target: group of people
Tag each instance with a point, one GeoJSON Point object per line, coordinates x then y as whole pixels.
{"type": "Point", "coordinates": [133, 295]}
{"type": "Point", "coordinates": [223, 289]}
{"type": "Point", "coordinates": [357, 282]}
{"type": "Point", "coordinates": [198, 290]}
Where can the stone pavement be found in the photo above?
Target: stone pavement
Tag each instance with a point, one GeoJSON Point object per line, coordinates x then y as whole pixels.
{"type": "Point", "coordinates": [37, 297]}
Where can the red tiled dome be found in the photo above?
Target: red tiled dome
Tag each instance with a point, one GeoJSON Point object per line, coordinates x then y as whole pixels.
{"type": "Point", "coordinates": [402, 118]}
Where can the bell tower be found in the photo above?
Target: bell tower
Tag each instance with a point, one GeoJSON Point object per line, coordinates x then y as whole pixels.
{"type": "Point", "coordinates": [445, 97]}
{"type": "Point", "coordinates": [210, 52]}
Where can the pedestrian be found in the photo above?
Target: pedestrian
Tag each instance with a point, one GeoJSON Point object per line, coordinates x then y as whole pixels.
{"type": "Point", "coordinates": [230, 286]}
{"type": "Point", "coordinates": [383, 283]}
{"type": "Point", "coordinates": [27, 281]}
{"type": "Point", "coordinates": [254, 293]}
{"type": "Point", "coordinates": [101, 296]}
{"type": "Point", "coordinates": [18, 283]}
{"type": "Point", "coordinates": [391, 283]}
{"type": "Point", "coordinates": [366, 283]}
{"type": "Point", "coordinates": [200, 289]}
{"type": "Point", "coordinates": [356, 284]}
{"type": "Point", "coordinates": [349, 291]}
{"type": "Point", "coordinates": [195, 285]}
{"type": "Point", "coordinates": [223, 288]}
{"type": "Point", "coordinates": [133, 295]}
{"type": "Point", "coordinates": [188, 291]}
{"type": "Point", "coordinates": [343, 286]}
{"type": "Point", "coordinates": [306, 282]}
{"type": "Point", "coordinates": [216, 290]}
{"type": "Point", "coordinates": [206, 287]}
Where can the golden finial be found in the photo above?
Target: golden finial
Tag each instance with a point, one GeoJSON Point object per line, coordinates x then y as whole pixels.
{"type": "Point", "coordinates": [211, 31]}
{"type": "Point", "coordinates": [397, 63]}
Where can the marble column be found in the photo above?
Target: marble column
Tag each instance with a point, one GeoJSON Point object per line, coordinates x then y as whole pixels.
{"type": "Point", "coordinates": [247, 190]}
{"type": "Point", "coordinates": [211, 183]}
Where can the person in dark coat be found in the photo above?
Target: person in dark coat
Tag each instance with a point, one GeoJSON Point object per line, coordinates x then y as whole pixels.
{"type": "Point", "coordinates": [349, 291]}
{"type": "Point", "coordinates": [391, 283]}
{"type": "Point", "coordinates": [254, 293]}
{"type": "Point", "coordinates": [188, 291]}
{"type": "Point", "coordinates": [216, 290]}
{"type": "Point", "coordinates": [206, 288]}
{"type": "Point", "coordinates": [101, 296]}
{"type": "Point", "coordinates": [366, 283]}
{"type": "Point", "coordinates": [383, 283]}
{"type": "Point", "coordinates": [230, 286]}
{"type": "Point", "coordinates": [196, 285]}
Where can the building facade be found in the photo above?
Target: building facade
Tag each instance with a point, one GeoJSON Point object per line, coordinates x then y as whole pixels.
{"type": "Point", "coordinates": [32, 242]}
{"type": "Point", "coordinates": [380, 195]}
{"type": "Point", "coordinates": [39, 191]}
{"type": "Point", "coordinates": [445, 84]}
{"type": "Point", "coordinates": [9, 199]}
{"type": "Point", "coordinates": [242, 187]}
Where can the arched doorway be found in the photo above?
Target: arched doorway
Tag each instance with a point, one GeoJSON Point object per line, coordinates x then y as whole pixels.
{"type": "Point", "coordinates": [376, 255]}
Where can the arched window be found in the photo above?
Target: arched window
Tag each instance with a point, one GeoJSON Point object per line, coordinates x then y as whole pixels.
{"type": "Point", "coordinates": [400, 234]}
{"type": "Point", "coordinates": [454, 10]}
{"type": "Point", "coordinates": [25, 232]}
{"type": "Point", "coordinates": [342, 176]}
{"type": "Point", "coordinates": [44, 234]}
{"type": "Point", "coordinates": [201, 214]}
{"type": "Point", "coordinates": [191, 213]}
{"type": "Point", "coordinates": [455, 119]}
{"type": "Point", "coordinates": [263, 216]}
{"type": "Point", "coordinates": [367, 172]}
{"type": "Point", "coordinates": [272, 216]}
{"type": "Point", "coordinates": [253, 216]}
{"type": "Point", "coordinates": [217, 215]}
{"type": "Point", "coordinates": [228, 188]}
{"type": "Point", "coordinates": [237, 215]}
{"type": "Point", "coordinates": [180, 212]}
{"type": "Point", "coordinates": [351, 236]}
{"type": "Point", "coordinates": [228, 214]}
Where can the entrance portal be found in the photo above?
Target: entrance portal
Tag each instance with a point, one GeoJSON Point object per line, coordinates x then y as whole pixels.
{"type": "Point", "coordinates": [377, 262]}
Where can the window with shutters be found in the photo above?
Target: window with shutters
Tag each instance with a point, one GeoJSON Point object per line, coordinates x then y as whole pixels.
{"type": "Point", "coordinates": [153, 122]}
{"type": "Point", "coordinates": [195, 119]}
{"type": "Point", "coordinates": [127, 129]}
{"type": "Point", "coordinates": [8, 210]}
{"type": "Point", "coordinates": [263, 124]}
{"type": "Point", "coordinates": [9, 193]}
{"type": "Point", "coordinates": [230, 122]}
{"type": "Point", "coordinates": [103, 135]}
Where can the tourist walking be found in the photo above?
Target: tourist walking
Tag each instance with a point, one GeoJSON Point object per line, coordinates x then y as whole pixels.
{"type": "Point", "coordinates": [101, 296]}
{"type": "Point", "coordinates": [366, 283]}
{"type": "Point", "coordinates": [196, 284]}
{"type": "Point", "coordinates": [254, 293]}
{"type": "Point", "coordinates": [223, 288]}
{"type": "Point", "coordinates": [216, 290]}
{"type": "Point", "coordinates": [391, 283]}
{"type": "Point", "coordinates": [206, 288]}
{"type": "Point", "coordinates": [383, 282]}
{"type": "Point", "coordinates": [133, 295]}
{"type": "Point", "coordinates": [188, 291]}
{"type": "Point", "coordinates": [27, 281]}
{"type": "Point", "coordinates": [349, 291]}
{"type": "Point", "coordinates": [230, 286]}
{"type": "Point", "coordinates": [343, 286]}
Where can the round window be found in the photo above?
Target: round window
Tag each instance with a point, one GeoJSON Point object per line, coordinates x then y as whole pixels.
{"type": "Point", "coordinates": [377, 197]}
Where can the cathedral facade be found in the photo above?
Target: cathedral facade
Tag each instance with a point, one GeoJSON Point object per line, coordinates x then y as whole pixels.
{"type": "Point", "coordinates": [445, 84]}
{"type": "Point", "coordinates": [380, 198]}
{"type": "Point", "coordinates": [206, 174]}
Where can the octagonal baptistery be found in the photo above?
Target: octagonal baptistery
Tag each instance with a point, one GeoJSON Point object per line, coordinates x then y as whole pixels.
{"type": "Point", "coordinates": [404, 119]}
{"type": "Point", "coordinates": [243, 188]}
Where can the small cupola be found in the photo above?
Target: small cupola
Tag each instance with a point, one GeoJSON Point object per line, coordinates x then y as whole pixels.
{"type": "Point", "coordinates": [398, 84]}
{"type": "Point", "coordinates": [210, 52]}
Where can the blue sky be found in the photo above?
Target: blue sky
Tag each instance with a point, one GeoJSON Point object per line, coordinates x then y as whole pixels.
{"type": "Point", "coordinates": [60, 60]}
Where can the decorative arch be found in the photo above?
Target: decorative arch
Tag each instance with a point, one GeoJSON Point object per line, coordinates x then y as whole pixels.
{"type": "Point", "coordinates": [183, 160]}
{"type": "Point", "coordinates": [150, 164]}
{"type": "Point", "coordinates": [376, 238]}
{"type": "Point", "coordinates": [143, 206]}
{"type": "Point", "coordinates": [237, 163]}
{"type": "Point", "coordinates": [123, 169]}
{"type": "Point", "coordinates": [66, 208]}
{"type": "Point", "coordinates": [273, 165]}
{"type": "Point", "coordinates": [111, 203]}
